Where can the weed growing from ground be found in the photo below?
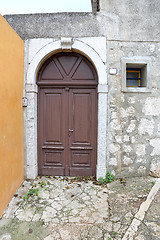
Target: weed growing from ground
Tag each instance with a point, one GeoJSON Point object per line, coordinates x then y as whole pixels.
{"type": "Point", "coordinates": [108, 179]}
{"type": "Point", "coordinates": [153, 183]}
{"type": "Point", "coordinates": [147, 190]}
{"type": "Point", "coordinates": [42, 184]}
{"type": "Point", "coordinates": [31, 192]}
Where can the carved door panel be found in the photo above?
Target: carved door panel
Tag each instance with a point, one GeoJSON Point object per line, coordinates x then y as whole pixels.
{"type": "Point", "coordinates": [82, 140]}
{"type": "Point", "coordinates": [51, 131]}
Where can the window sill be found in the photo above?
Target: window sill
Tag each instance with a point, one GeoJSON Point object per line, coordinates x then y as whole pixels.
{"type": "Point", "coordinates": [136, 89]}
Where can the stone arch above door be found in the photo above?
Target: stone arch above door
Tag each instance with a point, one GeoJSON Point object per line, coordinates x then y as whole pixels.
{"type": "Point", "coordinates": [55, 46]}
{"type": "Point", "coordinates": [39, 50]}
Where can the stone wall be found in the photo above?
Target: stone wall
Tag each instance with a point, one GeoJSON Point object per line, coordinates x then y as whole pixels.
{"type": "Point", "coordinates": [54, 25]}
{"type": "Point", "coordinates": [131, 30]}
{"type": "Point", "coordinates": [132, 20]}
{"type": "Point", "coordinates": [134, 118]}
{"type": "Point", "coordinates": [118, 20]}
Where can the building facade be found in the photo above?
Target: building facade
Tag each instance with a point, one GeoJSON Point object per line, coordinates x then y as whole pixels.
{"type": "Point", "coordinates": [113, 53]}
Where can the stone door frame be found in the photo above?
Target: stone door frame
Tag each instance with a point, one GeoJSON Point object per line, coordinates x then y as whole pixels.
{"type": "Point", "coordinates": [95, 50]}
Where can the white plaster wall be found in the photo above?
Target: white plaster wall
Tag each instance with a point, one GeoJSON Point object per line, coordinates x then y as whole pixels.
{"type": "Point", "coordinates": [36, 52]}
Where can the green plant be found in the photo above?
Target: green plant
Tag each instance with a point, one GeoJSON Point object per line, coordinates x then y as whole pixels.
{"type": "Point", "coordinates": [42, 184]}
{"type": "Point", "coordinates": [153, 183]}
{"type": "Point", "coordinates": [31, 192]}
{"type": "Point", "coordinates": [147, 190]}
{"type": "Point", "coordinates": [108, 179]}
{"type": "Point", "coordinates": [75, 178]}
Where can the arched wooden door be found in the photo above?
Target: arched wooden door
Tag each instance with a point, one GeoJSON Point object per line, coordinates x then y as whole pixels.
{"type": "Point", "coordinates": [67, 116]}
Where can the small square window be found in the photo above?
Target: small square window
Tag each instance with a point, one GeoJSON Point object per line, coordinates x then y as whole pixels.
{"type": "Point", "coordinates": [136, 74]}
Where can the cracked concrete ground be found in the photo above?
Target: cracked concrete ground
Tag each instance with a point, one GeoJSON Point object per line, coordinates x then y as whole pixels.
{"type": "Point", "coordinates": [66, 208]}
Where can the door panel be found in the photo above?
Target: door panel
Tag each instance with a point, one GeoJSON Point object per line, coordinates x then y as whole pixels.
{"type": "Point", "coordinates": [52, 131]}
{"type": "Point", "coordinates": [62, 152]}
{"type": "Point", "coordinates": [53, 117]}
{"type": "Point", "coordinates": [80, 158]}
{"type": "Point", "coordinates": [80, 105]}
{"type": "Point", "coordinates": [82, 140]}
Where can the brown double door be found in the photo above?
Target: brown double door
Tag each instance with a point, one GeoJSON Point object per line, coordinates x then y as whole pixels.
{"type": "Point", "coordinates": [67, 126]}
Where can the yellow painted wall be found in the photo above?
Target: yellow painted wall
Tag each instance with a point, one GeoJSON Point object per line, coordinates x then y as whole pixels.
{"type": "Point", "coordinates": [11, 115]}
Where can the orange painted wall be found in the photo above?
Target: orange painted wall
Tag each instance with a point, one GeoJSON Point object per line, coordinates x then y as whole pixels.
{"type": "Point", "coordinates": [11, 113]}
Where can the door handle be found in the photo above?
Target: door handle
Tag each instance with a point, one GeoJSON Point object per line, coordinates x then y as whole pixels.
{"type": "Point", "coordinates": [69, 131]}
